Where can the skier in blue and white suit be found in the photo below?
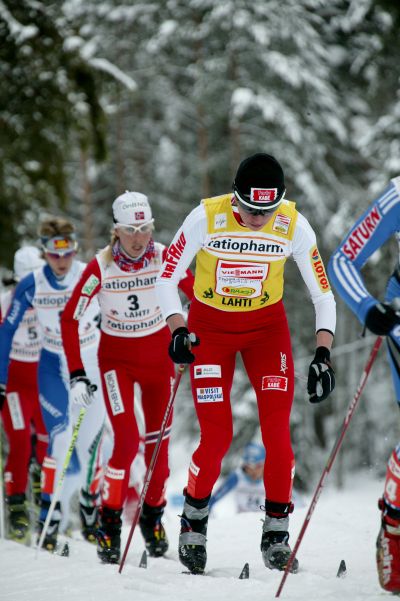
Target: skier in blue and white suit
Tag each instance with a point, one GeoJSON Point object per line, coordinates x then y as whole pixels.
{"type": "Point", "coordinates": [246, 481]}
{"type": "Point", "coordinates": [378, 223]}
{"type": "Point", "coordinates": [47, 290]}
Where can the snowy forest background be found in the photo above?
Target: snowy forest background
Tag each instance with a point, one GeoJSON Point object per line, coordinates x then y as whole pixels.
{"type": "Point", "coordinates": [166, 97]}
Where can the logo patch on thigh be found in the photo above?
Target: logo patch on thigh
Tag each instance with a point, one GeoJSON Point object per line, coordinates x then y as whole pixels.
{"type": "Point", "coordinates": [14, 406]}
{"type": "Point", "coordinates": [207, 371]}
{"type": "Point", "coordinates": [114, 395]}
{"type": "Point", "coordinates": [210, 395]}
{"type": "Point", "coordinates": [274, 383]}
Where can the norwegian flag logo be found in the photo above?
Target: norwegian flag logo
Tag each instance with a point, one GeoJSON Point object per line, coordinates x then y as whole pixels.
{"type": "Point", "coordinates": [139, 215]}
{"type": "Point", "coordinates": [315, 254]}
{"type": "Point", "coordinates": [61, 244]}
{"type": "Point", "coordinates": [263, 194]}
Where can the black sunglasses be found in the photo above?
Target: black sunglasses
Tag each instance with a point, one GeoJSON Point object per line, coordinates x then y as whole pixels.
{"type": "Point", "coordinates": [256, 212]}
{"type": "Point", "coordinates": [250, 210]}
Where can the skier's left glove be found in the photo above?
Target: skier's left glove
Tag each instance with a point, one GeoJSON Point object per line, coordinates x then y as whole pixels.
{"type": "Point", "coordinates": [381, 319]}
{"type": "Point", "coordinates": [81, 388]}
{"type": "Point", "coordinates": [321, 377]}
{"type": "Point", "coordinates": [2, 395]}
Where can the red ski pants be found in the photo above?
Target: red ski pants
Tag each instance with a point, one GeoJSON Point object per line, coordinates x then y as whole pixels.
{"type": "Point", "coordinates": [124, 361]}
{"type": "Point", "coordinates": [21, 410]}
{"type": "Point", "coordinates": [262, 338]}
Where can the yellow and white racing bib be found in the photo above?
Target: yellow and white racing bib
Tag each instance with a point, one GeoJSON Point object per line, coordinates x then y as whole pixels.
{"type": "Point", "coordinates": [239, 269]}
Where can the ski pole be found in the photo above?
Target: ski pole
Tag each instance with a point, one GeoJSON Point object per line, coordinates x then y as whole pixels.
{"type": "Point", "coordinates": [57, 490]}
{"type": "Point", "coordinates": [152, 463]}
{"type": "Point", "coordinates": [349, 414]}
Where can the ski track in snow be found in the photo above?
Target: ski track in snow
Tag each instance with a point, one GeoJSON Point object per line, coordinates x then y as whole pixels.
{"type": "Point", "coordinates": [344, 525]}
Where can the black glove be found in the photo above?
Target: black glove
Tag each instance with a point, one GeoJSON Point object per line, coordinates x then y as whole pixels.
{"type": "Point", "coordinates": [381, 319]}
{"type": "Point", "coordinates": [2, 395]}
{"type": "Point", "coordinates": [81, 391]}
{"type": "Point", "coordinates": [321, 377]}
{"type": "Point", "coordinates": [180, 345]}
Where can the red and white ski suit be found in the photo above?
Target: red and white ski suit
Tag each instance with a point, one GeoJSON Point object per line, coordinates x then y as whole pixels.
{"type": "Point", "coordinates": [237, 308]}
{"type": "Point", "coordinates": [22, 410]}
{"type": "Point", "coordinates": [133, 349]}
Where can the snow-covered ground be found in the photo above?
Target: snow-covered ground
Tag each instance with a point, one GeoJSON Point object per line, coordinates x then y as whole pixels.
{"type": "Point", "coordinates": [344, 525]}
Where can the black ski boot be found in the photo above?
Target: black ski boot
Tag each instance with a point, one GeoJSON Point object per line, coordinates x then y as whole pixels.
{"type": "Point", "coordinates": [18, 519]}
{"type": "Point", "coordinates": [109, 535]}
{"type": "Point", "coordinates": [274, 541]}
{"type": "Point", "coordinates": [89, 514]}
{"type": "Point", "coordinates": [35, 474]}
{"type": "Point", "coordinates": [153, 531]}
{"type": "Point", "coordinates": [50, 539]}
{"type": "Point", "coordinates": [192, 537]}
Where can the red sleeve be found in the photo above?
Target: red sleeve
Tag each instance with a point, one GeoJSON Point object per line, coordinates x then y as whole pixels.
{"type": "Point", "coordinates": [186, 284]}
{"type": "Point", "coordinates": [84, 291]}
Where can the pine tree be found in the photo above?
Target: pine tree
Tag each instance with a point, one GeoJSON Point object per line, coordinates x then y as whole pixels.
{"type": "Point", "coordinates": [48, 101]}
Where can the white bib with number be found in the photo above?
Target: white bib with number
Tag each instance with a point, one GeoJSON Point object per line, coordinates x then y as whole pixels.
{"type": "Point", "coordinates": [128, 303]}
{"type": "Point", "coordinates": [26, 342]}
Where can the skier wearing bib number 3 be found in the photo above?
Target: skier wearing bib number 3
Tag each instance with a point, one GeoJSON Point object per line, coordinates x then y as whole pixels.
{"type": "Point", "coordinates": [133, 348]}
{"type": "Point", "coordinates": [241, 242]}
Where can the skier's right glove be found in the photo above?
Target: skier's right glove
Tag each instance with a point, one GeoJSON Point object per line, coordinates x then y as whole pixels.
{"type": "Point", "coordinates": [321, 377]}
{"type": "Point", "coordinates": [2, 395]}
{"type": "Point", "coordinates": [181, 344]}
{"type": "Point", "coordinates": [82, 389]}
{"type": "Point", "coordinates": [381, 319]}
